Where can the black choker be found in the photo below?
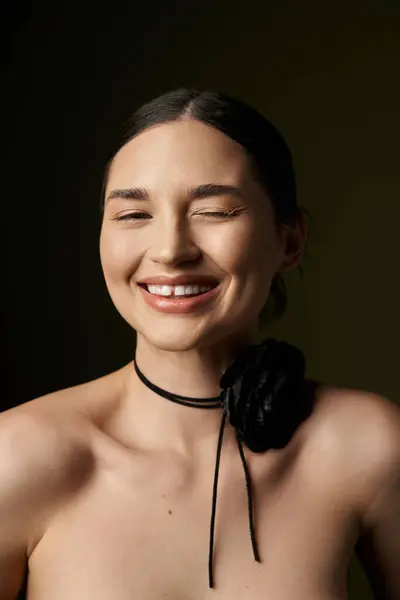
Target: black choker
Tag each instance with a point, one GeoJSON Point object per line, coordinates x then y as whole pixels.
{"type": "Point", "coordinates": [265, 396]}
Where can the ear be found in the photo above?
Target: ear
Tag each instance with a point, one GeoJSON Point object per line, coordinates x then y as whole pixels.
{"type": "Point", "coordinates": [294, 239]}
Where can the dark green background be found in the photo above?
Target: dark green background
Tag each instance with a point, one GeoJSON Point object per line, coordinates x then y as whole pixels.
{"type": "Point", "coordinates": [324, 72]}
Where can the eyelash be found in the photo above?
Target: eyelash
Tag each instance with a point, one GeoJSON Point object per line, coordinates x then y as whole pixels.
{"type": "Point", "coordinates": [133, 216]}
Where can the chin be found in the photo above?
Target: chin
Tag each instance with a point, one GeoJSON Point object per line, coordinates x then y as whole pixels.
{"type": "Point", "coordinates": [181, 337]}
{"type": "Point", "coordinates": [170, 342]}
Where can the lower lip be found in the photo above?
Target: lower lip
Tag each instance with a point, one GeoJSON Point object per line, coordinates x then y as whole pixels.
{"type": "Point", "coordinates": [168, 304]}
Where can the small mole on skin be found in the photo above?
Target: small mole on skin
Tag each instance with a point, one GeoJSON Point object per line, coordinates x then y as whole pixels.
{"type": "Point", "coordinates": [170, 512]}
{"type": "Point", "coordinates": [162, 495]}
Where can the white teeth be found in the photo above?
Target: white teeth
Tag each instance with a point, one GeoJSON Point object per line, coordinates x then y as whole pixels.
{"type": "Point", "coordinates": [179, 290]}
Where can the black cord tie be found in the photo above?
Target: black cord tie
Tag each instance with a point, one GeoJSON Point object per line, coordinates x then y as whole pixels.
{"type": "Point", "coordinates": [210, 403]}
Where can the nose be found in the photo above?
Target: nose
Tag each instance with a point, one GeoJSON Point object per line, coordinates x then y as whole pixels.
{"type": "Point", "coordinates": [173, 243]}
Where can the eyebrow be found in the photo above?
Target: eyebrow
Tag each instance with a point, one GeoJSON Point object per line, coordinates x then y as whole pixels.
{"type": "Point", "coordinates": [196, 193]}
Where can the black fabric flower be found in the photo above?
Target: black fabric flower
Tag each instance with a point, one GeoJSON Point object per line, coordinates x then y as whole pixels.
{"type": "Point", "coordinates": [265, 394]}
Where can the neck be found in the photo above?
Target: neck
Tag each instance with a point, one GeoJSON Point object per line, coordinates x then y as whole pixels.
{"type": "Point", "coordinates": [195, 373]}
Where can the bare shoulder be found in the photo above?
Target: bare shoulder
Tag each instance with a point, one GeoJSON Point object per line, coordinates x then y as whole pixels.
{"type": "Point", "coordinates": [83, 401]}
{"type": "Point", "coordinates": [360, 431]}
{"type": "Point", "coordinates": [360, 417]}
{"type": "Point", "coordinates": [59, 421]}
{"type": "Point", "coordinates": [41, 466]}
{"type": "Point", "coordinates": [46, 451]}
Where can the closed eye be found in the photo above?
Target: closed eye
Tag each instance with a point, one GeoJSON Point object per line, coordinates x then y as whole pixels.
{"type": "Point", "coordinates": [216, 214]}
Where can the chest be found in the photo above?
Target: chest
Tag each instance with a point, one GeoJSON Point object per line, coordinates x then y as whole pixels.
{"type": "Point", "coordinates": [147, 537]}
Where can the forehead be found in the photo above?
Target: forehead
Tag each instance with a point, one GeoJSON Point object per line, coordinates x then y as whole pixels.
{"type": "Point", "coordinates": [183, 153]}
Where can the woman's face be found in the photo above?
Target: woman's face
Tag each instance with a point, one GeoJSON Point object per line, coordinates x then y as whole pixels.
{"type": "Point", "coordinates": [174, 235]}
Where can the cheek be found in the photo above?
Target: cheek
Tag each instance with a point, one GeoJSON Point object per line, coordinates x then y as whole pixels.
{"type": "Point", "coordinates": [118, 254]}
{"type": "Point", "coordinates": [254, 261]}
{"type": "Point", "coordinates": [253, 251]}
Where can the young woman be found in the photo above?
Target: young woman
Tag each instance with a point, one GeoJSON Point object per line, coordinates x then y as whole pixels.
{"type": "Point", "coordinates": [209, 466]}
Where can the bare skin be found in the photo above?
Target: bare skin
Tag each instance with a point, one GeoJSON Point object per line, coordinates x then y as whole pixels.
{"type": "Point", "coordinates": [107, 487]}
{"type": "Point", "coordinates": [128, 521]}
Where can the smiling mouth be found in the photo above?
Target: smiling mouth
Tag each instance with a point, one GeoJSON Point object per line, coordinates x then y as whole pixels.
{"type": "Point", "coordinates": [178, 291]}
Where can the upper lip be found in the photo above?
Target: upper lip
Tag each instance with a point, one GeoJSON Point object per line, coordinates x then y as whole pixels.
{"type": "Point", "coordinates": [180, 279]}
